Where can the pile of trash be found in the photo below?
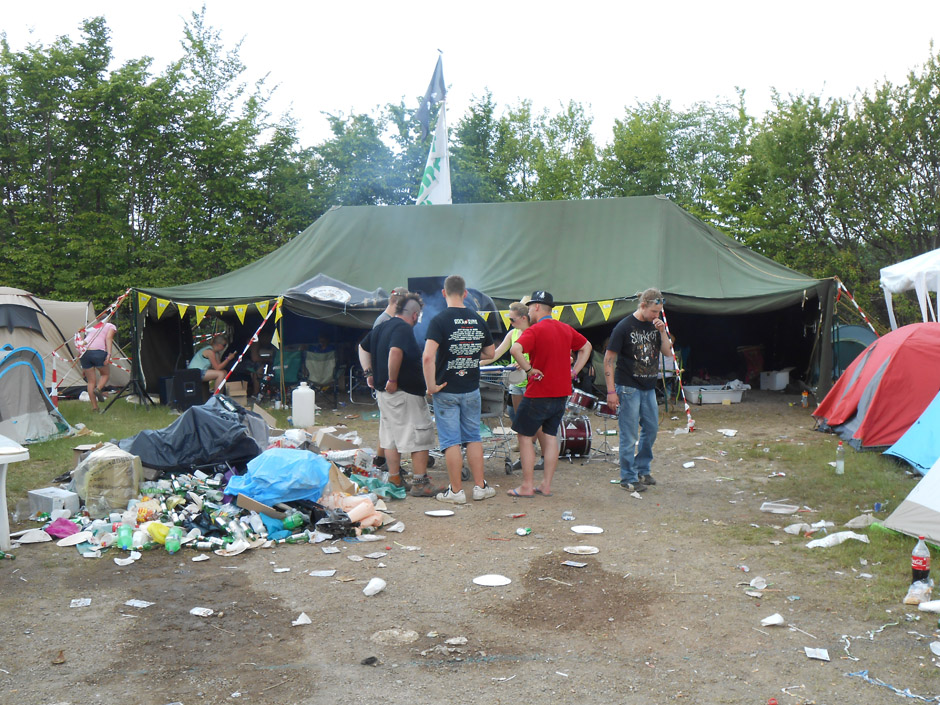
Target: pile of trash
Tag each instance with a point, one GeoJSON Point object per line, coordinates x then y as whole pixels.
{"type": "Point", "coordinates": [286, 495]}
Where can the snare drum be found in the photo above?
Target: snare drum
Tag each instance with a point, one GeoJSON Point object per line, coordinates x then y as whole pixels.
{"type": "Point", "coordinates": [574, 437]}
{"type": "Point", "coordinates": [580, 401]}
{"type": "Point", "coordinates": [605, 410]}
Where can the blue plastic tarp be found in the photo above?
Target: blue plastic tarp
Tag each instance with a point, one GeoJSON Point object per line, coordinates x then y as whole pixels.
{"type": "Point", "coordinates": [920, 444]}
{"type": "Point", "coordinates": [282, 475]}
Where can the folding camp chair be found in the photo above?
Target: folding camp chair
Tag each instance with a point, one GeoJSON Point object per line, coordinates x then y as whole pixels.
{"type": "Point", "coordinates": [323, 372]}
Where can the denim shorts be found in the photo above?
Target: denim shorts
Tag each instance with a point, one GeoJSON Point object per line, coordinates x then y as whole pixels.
{"type": "Point", "coordinates": [93, 358]}
{"type": "Point", "coordinates": [457, 417]}
{"type": "Point", "coordinates": [536, 413]}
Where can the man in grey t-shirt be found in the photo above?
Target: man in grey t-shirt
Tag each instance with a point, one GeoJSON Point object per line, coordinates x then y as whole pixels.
{"type": "Point", "coordinates": [397, 293]}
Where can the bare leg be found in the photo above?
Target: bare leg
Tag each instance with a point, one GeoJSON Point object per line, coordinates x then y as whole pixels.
{"type": "Point", "coordinates": [527, 456]}
{"type": "Point", "coordinates": [90, 378]}
{"type": "Point", "coordinates": [419, 461]}
{"type": "Point", "coordinates": [393, 457]}
{"type": "Point", "coordinates": [105, 373]}
{"type": "Point", "coordinates": [550, 453]}
{"type": "Point", "coordinates": [454, 461]}
{"type": "Point", "coordinates": [475, 461]}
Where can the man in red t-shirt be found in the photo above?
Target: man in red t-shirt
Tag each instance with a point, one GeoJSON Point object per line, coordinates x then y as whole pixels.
{"type": "Point", "coordinates": [549, 344]}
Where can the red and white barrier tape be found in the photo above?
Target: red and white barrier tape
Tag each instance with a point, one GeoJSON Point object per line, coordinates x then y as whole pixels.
{"type": "Point", "coordinates": [254, 339]}
{"type": "Point", "coordinates": [690, 424]}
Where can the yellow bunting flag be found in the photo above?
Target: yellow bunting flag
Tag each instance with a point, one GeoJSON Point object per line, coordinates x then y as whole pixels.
{"type": "Point", "coordinates": [201, 312]}
{"type": "Point", "coordinates": [142, 300]}
{"type": "Point", "coordinates": [240, 310]}
{"type": "Point", "coordinates": [161, 307]}
{"type": "Point", "coordinates": [579, 310]}
{"type": "Point", "coordinates": [506, 322]}
{"type": "Point", "coordinates": [263, 307]}
{"type": "Point", "coordinates": [276, 340]}
{"type": "Point", "coordinates": [606, 307]}
{"type": "Point", "coordinates": [556, 312]}
{"type": "Point", "coordinates": [280, 307]}
{"type": "Point", "coordinates": [182, 309]}
{"type": "Point", "coordinates": [485, 315]}
{"type": "Point", "coordinates": [221, 309]}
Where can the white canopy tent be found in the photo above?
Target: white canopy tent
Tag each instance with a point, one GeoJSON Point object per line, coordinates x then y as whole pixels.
{"type": "Point", "coordinates": [922, 274]}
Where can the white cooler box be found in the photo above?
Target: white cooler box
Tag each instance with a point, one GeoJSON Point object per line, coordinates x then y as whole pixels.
{"type": "Point", "coordinates": [713, 394]}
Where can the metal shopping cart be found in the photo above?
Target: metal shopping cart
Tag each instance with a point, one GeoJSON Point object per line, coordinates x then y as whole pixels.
{"type": "Point", "coordinates": [494, 379]}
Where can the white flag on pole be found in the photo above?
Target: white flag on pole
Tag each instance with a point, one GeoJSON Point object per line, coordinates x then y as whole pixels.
{"type": "Point", "coordinates": [435, 181]}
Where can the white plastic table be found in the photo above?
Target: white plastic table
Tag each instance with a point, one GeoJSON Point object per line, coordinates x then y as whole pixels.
{"type": "Point", "coordinates": [10, 452]}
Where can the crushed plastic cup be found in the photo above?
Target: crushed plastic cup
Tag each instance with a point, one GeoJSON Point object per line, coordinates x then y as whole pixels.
{"type": "Point", "coordinates": [375, 586]}
{"type": "Point", "coordinates": [774, 620]}
{"type": "Point", "coordinates": [758, 583]}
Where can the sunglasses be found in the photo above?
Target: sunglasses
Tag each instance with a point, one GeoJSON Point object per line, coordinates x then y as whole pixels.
{"type": "Point", "coordinates": [658, 302]}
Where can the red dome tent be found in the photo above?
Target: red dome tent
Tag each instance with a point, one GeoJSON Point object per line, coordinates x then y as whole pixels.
{"type": "Point", "coordinates": [886, 389]}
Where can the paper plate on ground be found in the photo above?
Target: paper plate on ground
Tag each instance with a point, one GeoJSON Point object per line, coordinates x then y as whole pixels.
{"type": "Point", "coordinates": [584, 529]}
{"type": "Point", "coordinates": [33, 536]}
{"type": "Point", "coordinates": [492, 580]}
{"type": "Point", "coordinates": [440, 513]}
{"type": "Point", "coordinates": [582, 550]}
{"type": "Point", "coordinates": [75, 539]}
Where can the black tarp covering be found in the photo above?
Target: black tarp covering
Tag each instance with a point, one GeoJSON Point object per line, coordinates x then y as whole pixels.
{"type": "Point", "coordinates": [218, 431]}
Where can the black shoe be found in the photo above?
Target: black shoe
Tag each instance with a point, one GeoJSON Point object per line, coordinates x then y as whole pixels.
{"type": "Point", "coordinates": [633, 486]}
{"type": "Point", "coordinates": [540, 465]}
{"type": "Point", "coordinates": [647, 480]}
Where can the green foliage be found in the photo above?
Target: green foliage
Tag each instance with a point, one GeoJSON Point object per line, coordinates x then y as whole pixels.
{"type": "Point", "coordinates": [113, 176]}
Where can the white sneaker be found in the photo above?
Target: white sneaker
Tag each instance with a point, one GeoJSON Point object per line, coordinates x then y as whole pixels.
{"type": "Point", "coordinates": [452, 497]}
{"type": "Point", "coordinates": [484, 492]}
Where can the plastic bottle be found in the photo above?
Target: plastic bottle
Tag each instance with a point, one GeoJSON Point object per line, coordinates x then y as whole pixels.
{"type": "Point", "coordinates": [920, 561]}
{"type": "Point", "coordinates": [293, 520]}
{"type": "Point", "coordinates": [172, 540]}
{"type": "Point", "coordinates": [700, 396]}
{"type": "Point", "coordinates": [840, 459]}
{"type": "Point", "coordinates": [125, 536]}
{"type": "Point", "coordinates": [303, 402]}
{"type": "Point", "coordinates": [804, 400]}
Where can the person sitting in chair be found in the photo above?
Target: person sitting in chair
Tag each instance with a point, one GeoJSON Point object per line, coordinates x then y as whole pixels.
{"type": "Point", "coordinates": [208, 361]}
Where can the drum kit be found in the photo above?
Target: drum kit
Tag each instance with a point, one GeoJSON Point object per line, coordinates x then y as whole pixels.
{"type": "Point", "coordinates": [575, 434]}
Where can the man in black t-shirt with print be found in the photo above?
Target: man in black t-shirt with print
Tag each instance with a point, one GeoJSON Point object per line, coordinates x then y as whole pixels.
{"type": "Point", "coordinates": [456, 339]}
{"type": "Point", "coordinates": [631, 366]}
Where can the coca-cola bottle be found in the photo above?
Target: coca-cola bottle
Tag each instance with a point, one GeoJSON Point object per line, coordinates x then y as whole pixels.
{"type": "Point", "coordinates": [920, 561]}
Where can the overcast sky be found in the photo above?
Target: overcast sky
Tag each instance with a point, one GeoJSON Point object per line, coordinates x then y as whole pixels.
{"type": "Point", "coordinates": [355, 56]}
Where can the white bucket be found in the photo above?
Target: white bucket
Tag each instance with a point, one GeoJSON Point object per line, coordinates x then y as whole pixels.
{"type": "Point", "coordinates": [304, 407]}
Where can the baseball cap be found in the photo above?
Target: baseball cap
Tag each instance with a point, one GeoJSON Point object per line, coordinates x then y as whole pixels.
{"type": "Point", "coordinates": [541, 297]}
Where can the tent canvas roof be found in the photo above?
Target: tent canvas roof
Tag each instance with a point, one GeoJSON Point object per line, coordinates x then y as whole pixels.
{"type": "Point", "coordinates": [922, 274]}
{"type": "Point", "coordinates": [919, 513]}
{"type": "Point", "coordinates": [581, 251]}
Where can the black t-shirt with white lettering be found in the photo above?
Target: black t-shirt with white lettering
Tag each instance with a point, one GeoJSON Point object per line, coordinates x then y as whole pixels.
{"type": "Point", "coordinates": [395, 333]}
{"type": "Point", "coordinates": [460, 335]}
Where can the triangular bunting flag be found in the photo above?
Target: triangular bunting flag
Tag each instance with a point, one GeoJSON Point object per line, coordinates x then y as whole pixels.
{"type": "Point", "coordinates": [579, 310]}
{"type": "Point", "coordinates": [506, 322]}
{"type": "Point", "coordinates": [606, 307]}
{"type": "Point", "coordinates": [485, 315]}
{"type": "Point", "coordinates": [142, 300]}
{"type": "Point", "coordinates": [263, 308]}
{"type": "Point", "coordinates": [182, 309]}
{"type": "Point", "coordinates": [556, 312]}
{"type": "Point", "coordinates": [278, 314]}
{"type": "Point", "coordinates": [221, 309]}
{"type": "Point", "coordinates": [240, 310]}
{"type": "Point", "coordinates": [201, 312]}
{"type": "Point", "coordinates": [276, 340]}
{"type": "Point", "coordinates": [161, 307]}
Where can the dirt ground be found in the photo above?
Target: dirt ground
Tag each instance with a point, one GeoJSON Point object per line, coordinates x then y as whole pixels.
{"type": "Point", "coordinates": [658, 615]}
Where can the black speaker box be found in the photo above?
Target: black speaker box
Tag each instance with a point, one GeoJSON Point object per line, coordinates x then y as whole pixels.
{"type": "Point", "coordinates": [188, 389]}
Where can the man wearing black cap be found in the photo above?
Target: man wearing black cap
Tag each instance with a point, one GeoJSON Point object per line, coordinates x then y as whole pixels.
{"type": "Point", "coordinates": [549, 344]}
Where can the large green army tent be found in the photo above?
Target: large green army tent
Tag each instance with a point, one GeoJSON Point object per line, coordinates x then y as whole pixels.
{"type": "Point", "coordinates": [593, 255]}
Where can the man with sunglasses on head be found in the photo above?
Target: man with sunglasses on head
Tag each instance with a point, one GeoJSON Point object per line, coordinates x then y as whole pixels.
{"type": "Point", "coordinates": [631, 367]}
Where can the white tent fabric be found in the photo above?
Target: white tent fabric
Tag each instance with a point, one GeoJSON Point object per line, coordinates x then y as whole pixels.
{"type": "Point", "coordinates": [920, 274]}
{"type": "Point", "coordinates": [919, 513]}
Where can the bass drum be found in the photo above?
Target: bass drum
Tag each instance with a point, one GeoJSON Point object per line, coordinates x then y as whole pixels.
{"type": "Point", "coordinates": [574, 437]}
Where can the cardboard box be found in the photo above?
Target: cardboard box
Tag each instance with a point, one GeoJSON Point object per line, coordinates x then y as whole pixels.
{"type": "Point", "coordinates": [266, 417]}
{"type": "Point", "coordinates": [775, 380]}
{"type": "Point", "coordinates": [238, 391]}
{"type": "Point", "coordinates": [251, 505]}
{"type": "Point", "coordinates": [48, 499]}
{"type": "Point", "coordinates": [83, 450]}
{"type": "Point", "coordinates": [327, 441]}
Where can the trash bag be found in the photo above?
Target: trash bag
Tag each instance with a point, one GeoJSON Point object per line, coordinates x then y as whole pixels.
{"type": "Point", "coordinates": [282, 475]}
{"type": "Point", "coordinates": [107, 479]}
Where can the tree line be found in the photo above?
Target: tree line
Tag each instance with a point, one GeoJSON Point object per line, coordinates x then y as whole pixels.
{"type": "Point", "coordinates": [123, 176]}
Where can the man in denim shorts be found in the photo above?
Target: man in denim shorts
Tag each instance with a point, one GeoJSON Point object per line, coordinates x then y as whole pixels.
{"type": "Point", "coordinates": [456, 339]}
{"type": "Point", "coordinates": [549, 344]}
